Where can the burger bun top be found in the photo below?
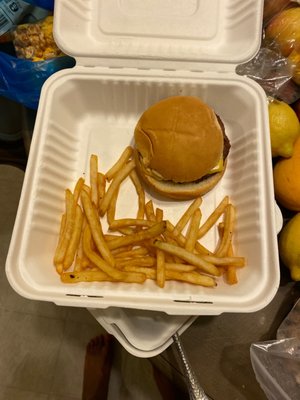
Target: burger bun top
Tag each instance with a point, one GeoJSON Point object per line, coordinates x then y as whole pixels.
{"type": "Point", "coordinates": [178, 139]}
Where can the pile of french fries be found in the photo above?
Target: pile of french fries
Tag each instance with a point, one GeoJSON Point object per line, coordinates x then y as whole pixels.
{"type": "Point", "coordinates": [145, 247]}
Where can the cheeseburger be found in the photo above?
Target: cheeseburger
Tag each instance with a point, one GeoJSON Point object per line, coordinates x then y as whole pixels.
{"type": "Point", "coordinates": [180, 147]}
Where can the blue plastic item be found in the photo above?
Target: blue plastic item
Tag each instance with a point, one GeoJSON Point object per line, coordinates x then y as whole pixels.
{"type": "Point", "coordinates": [21, 80]}
{"type": "Point", "coordinates": [47, 4]}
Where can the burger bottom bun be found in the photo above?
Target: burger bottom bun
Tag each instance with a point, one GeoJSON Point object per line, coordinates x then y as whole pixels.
{"type": "Point", "coordinates": [179, 191]}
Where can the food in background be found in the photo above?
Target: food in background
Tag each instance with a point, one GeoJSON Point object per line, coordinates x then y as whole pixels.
{"type": "Point", "coordinates": [273, 7]}
{"type": "Point", "coordinates": [284, 128]}
{"type": "Point", "coordinates": [284, 29]}
{"type": "Point", "coordinates": [289, 246]}
{"type": "Point", "coordinates": [35, 41]}
{"type": "Point", "coordinates": [287, 180]}
{"type": "Point", "coordinates": [181, 147]}
{"type": "Point", "coordinates": [296, 108]}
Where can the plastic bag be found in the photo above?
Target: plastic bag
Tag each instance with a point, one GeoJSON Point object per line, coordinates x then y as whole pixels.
{"type": "Point", "coordinates": [276, 66]}
{"type": "Point", "coordinates": [47, 4]}
{"type": "Point", "coordinates": [22, 80]}
{"type": "Point", "coordinates": [11, 12]}
{"type": "Point", "coordinates": [277, 363]}
{"type": "Point", "coordinates": [38, 57]}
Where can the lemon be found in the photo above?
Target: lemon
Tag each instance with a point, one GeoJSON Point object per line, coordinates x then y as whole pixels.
{"type": "Point", "coordinates": [284, 128]}
{"type": "Point", "coordinates": [289, 246]}
{"type": "Point", "coordinates": [286, 176]}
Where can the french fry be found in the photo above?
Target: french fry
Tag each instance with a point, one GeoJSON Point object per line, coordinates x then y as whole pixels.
{"type": "Point", "coordinates": [85, 276]}
{"type": "Point", "coordinates": [81, 258]}
{"type": "Point", "coordinates": [121, 250]}
{"type": "Point", "coordinates": [104, 266]}
{"type": "Point", "coordinates": [228, 231]}
{"type": "Point", "coordinates": [117, 167]}
{"type": "Point", "coordinates": [181, 240]}
{"type": "Point", "coordinates": [191, 236]}
{"type": "Point", "coordinates": [167, 235]}
{"type": "Point", "coordinates": [94, 179]}
{"type": "Point", "coordinates": [159, 214]}
{"type": "Point", "coordinates": [111, 210]}
{"type": "Point", "coordinates": [187, 256]}
{"type": "Point", "coordinates": [139, 251]}
{"type": "Point", "coordinates": [77, 189]}
{"type": "Point", "coordinates": [118, 179]}
{"type": "Point", "coordinates": [191, 277]}
{"type": "Point", "coordinates": [213, 218]}
{"type": "Point", "coordinates": [138, 237]}
{"type": "Point", "coordinates": [101, 187]}
{"type": "Point", "coordinates": [149, 210]}
{"type": "Point", "coordinates": [145, 247]}
{"type": "Point", "coordinates": [160, 268]}
{"type": "Point", "coordinates": [59, 266]}
{"type": "Point", "coordinates": [140, 192]}
{"type": "Point", "coordinates": [221, 261]}
{"type": "Point", "coordinates": [186, 216]}
{"type": "Point", "coordinates": [125, 222]}
{"type": "Point", "coordinates": [150, 273]}
{"type": "Point", "coordinates": [230, 273]}
{"type": "Point", "coordinates": [98, 276]}
{"type": "Point", "coordinates": [87, 189]}
{"type": "Point", "coordinates": [96, 228]}
{"type": "Point", "coordinates": [70, 220]}
{"type": "Point", "coordinates": [180, 267]}
{"type": "Point", "coordinates": [74, 240]}
{"type": "Point", "coordinates": [138, 261]}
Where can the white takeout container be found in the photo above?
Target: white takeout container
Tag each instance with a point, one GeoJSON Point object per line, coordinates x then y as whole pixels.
{"type": "Point", "coordinates": [142, 333]}
{"type": "Point", "coordinates": [130, 54]}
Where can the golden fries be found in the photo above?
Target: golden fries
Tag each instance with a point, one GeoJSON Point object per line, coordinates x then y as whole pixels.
{"type": "Point", "coordinates": [192, 233]}
{"type": "Point", "coordinates": [191, 258]}
{"type": "Point", "coordinates": [181, 240]}
{"type": "Point", "coordinates": [135, 238]}
{"type": "Point", "coordinates": [140, 192]}
{"type": "Point", "coordinates": [101, 186]}
{"type": "Point", "coordinates": [94, 178]}
{"type": "Point", "coordinates": [77, 189]}
{"type": "Point", "coordinates": [228, 230]}
{"type": "Point", "coordinates": [117, 167]}
{"type": "Point", "coordinates": [111, 211]}
{"type": "Point", "coordinates": [96, 229]}
{"type": "Point", "coordinates": [159, 214]}
{"type": "Point", "coordinates": [179, 267]}
{"type": "Point", "coordinates": [85, 276]}
{"type": "Point", "coordinates": [212, 219]}
{"type": "Point", "coordinates": [149, 210]}
{"type": "Point", "coordinates": [118, 179]}
{"type": "Point", "coordinates": [143, 247]}
{"type": "Point", "coordinates": [105, 267]}
{"type": "Point", "coordinates": [67, 232]}
{"type": "Point", "coordinates": [191, 277]}
{"type": "Point", "coordinates": [186, 216]}
{"type": "Point", "coordinates": [139, 251]}
{"type": "Point", "coordinates": [74, 240]}
{"type": "Point", "coordinates": [160, 268]}
{"type": "Point", "coordinates": [122, 223]}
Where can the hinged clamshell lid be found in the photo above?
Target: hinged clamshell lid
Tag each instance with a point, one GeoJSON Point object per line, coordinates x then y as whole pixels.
{"type": "Point", "coordinates": [155, 33]}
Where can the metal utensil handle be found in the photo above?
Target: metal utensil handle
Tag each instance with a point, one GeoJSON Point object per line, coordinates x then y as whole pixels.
{"type": "Point", "coordinates": [195, 390]}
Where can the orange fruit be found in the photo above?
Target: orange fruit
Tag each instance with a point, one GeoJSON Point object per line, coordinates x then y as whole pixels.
{"type": "Point", "coordinates": [287, 180]}
{"type": "Point", "coordinates": [284, 28]}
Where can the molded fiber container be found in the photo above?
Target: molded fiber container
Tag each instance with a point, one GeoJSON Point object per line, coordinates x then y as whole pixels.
{"type": "Point", "coordinates": [129, 55]}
